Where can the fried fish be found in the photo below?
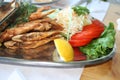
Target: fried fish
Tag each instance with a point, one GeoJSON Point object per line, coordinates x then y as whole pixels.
{"type": "Point", "coordinates": [34, 36]}
{"type": "Point", "coordinates": [29, 44]}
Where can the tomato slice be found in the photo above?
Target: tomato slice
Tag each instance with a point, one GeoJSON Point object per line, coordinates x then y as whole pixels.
{"type": "Point", "coordinates": [78, 55]}
{"type": "Point", "coordinates": [97, 22]}
{"type": "Point", "coordinates": [88, 33]}
{"type": "Point", "coordinates": [78, 43]}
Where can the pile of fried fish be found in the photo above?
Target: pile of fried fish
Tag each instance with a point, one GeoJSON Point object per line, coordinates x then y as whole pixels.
{"type": "Point", "coordinates": [38, 31]}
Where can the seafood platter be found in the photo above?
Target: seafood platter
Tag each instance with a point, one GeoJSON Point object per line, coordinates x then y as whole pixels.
{"type": "Point", "coordinates": [47, 37]}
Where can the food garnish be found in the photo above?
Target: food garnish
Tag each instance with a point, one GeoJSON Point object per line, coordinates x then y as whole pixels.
{"type": "Point", "coordinates": [78, 55]}
{"type": "Point", "coordinates": [64, 50]}
{"type": "Point", "coordinates": [80, 10]}
{"type": "Point", "coordinates": [71, 21]}
{"type": "Point", "coordinates": [23, 13]}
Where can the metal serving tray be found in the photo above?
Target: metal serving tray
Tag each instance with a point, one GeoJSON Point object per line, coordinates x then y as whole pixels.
{"type": "Point", "coordinates": [52, 64]}
{"type": "Point", "coordinates": [74, 64]}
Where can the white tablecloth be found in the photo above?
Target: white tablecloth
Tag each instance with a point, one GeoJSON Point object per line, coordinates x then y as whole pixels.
{"type": "Point", "coordinates": [12, 72]}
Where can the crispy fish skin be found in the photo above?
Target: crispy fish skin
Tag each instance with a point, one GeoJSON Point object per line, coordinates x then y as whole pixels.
{"type": "Point", "coordinates": [34, 36]}
{"type": "Point", "coordinates": [32, 44]}
{"type": "Point", "coordinates": [48, 22]}
{"type": "Point", "coordinates": [39, 43]}
{"type": "Point", "coordinates": [56, 26]}
{"type": "Point", "coordinates": [43, 27]}
{"type": "Point", "coordinates": [30, 26]}
{"type": "Point", "coordinates": [26, 27]}
{"type": "Point", "coordinates": [40, 14]}
{"type": "Point", "coordinates": [37, 15]}
{"type": "Point", "coordinates": [11, 44]}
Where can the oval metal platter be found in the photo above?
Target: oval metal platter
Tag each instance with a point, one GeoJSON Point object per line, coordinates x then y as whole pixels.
{"type": "Point", "coordinates": [49, 63]}
{"type": "Point", "coordinates": [74, 64]}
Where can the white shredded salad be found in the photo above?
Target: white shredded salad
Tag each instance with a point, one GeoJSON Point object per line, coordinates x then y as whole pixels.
{"type": "Point", "coordinates": [77, 23]}
{"type": "Point", "coordinates": [70, 20]}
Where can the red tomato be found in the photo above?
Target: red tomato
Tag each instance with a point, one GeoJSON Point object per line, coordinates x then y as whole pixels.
{"type": "Point", "coordinates": [78, 55]}
{"type": "Point", "coordinates": [95, 23]}
{"type": "Point", "coordinates": [81, 42]}
{"type": "Point", "coordinates": [88, 33]}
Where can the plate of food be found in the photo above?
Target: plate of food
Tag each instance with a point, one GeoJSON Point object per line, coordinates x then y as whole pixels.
{"type": "Point", "coordinates": [47, 37]}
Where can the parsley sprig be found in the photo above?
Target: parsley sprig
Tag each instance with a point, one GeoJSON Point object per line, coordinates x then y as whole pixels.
{"type": "Point", "coordinates": [80, 10]}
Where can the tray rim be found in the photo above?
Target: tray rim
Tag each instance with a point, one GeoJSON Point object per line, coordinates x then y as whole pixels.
{"type": "Point", "coordinates": [46, 64]}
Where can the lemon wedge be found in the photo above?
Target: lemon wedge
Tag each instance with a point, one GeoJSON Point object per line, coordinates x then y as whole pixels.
{"type": "Point", "coordinates": [64, 49]}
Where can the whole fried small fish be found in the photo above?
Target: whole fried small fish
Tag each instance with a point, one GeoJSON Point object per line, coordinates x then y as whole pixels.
{"type": "Point", "coordinates": [36, 44]}
{"type": "Point", "coordinates": [40, 14]}
{"type": "Point", "coordinates": [32, 44]}
{"type": "Point", "coordinates": [34, 36]}
{"type": "Point", "coordinates": [19, 29]}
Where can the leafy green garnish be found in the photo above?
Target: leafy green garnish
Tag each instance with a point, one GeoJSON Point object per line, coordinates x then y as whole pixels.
{"type": "Point", "coordinates": [23, 13]}
{"type": "Point", "coordinates": [81, 10]}
{"type": "Point", "coordinates": [101, 46]}
{"type": "Point", "coordinates": [25, 10]}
